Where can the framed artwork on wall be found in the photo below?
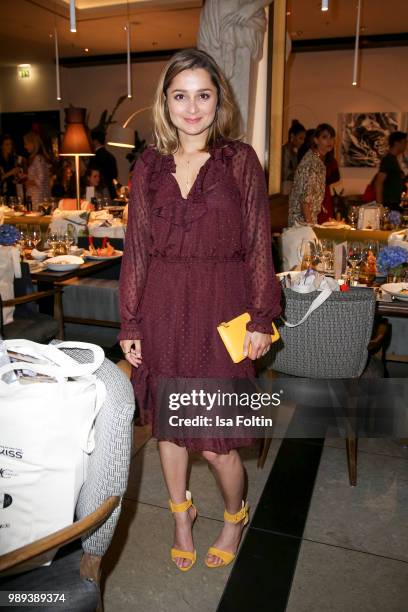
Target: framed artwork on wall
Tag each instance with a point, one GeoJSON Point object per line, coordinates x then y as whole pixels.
{"type": "Point", "coordinates": [364, 137]}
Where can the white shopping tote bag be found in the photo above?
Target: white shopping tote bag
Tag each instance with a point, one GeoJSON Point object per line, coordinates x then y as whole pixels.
{"type": "Point", "coordinates": [46, 436]}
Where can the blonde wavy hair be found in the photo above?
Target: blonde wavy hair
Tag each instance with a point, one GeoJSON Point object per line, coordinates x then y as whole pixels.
{"type": "Point", "coordinates": [225, 123]}
{"type": "Point", "coordinates": [38, 146]}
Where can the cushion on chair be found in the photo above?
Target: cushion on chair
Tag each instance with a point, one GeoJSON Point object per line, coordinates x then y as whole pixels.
{"type": "Point", "coordinates": [62, 576]}
{"type": "Point", "coordinates": [332, 342]}
{"type": "Point", "coordinates": [92, 298]}
{"type": "Point", "coordinates": [37, 328]}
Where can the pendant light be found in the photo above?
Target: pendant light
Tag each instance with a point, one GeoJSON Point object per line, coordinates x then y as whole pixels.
{"type": "Point", "coordinates": [355, 66]}
{"type": "Point", "coordinates": [325, 5]}
{"type": "Point", "coordinates": [129, 65]}
{"type": "Point", "coordinates": [72, 16]}
{"type": "Point", "coordinates": [57, 71]}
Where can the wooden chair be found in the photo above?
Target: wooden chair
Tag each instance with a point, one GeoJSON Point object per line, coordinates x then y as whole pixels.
{"type": "Point", "coordinates": [34, 326]}
{"type": "Point", "coordinates": [59, 538]}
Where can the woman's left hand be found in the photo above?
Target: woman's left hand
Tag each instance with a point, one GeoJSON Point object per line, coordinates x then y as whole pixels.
{"type": "Point", "coordinates": [256, 345]}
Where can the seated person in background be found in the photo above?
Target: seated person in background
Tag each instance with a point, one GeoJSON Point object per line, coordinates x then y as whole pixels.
{"type": "Point", "coordinates": [306, 197]}
{"type": "Point", "coordinates": [297, 133]}
{"type": "Point", "coordinates": [93, 179]}
{"type": "Point", "coordinates": [389, 182]}
{"type": "Point", "coordinates": [332, 176]}
{"type": "Point", "coordinates": [63, 182]}
{"type": "Point", "coordinates": [104, 161]}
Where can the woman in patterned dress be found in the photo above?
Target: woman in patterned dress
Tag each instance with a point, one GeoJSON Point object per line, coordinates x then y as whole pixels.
{"type": "Point", "coordinates": [38, 173]}
{"type": "Point", "coordinates": [306, 197]}
{"type": "Point", "coordinates": [197, 252]}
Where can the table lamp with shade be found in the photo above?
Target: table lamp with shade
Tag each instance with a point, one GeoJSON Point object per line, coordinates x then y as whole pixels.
{"type": "Point", "coordinates": [76, 142]}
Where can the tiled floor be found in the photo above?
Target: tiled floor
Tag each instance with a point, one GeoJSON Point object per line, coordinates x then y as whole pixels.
{"type": "Point", "coordinates": [140, 573]}
{"type": "Point", "coordinates": [315, 544]}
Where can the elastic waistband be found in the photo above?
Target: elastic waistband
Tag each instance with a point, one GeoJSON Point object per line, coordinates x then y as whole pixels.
{"type": "Point", "coordinates": [193, 260]}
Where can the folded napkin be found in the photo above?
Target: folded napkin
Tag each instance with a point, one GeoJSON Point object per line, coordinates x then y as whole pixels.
{"type": "Point", "coordinates": [77, 219]}
{"type": "Point", "coordinates": [308, 281]}
{"type": "Point", "coordinates": [115, 231]}
{"type": "Point", "coordinates": [399, 238]}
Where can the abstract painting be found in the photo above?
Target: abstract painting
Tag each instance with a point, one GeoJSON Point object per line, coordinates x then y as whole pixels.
{"type": "Point", "coordinates": [364, 137]}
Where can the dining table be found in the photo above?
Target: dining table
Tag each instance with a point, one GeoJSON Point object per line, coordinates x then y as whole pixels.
{"type": "Point", "coordinates": [349, 234]}
{"type": "Point", "coordinates": [48, 279]}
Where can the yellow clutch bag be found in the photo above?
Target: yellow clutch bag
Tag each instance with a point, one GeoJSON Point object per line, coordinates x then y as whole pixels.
{"type": "Point", "coordinates": [233, 334]}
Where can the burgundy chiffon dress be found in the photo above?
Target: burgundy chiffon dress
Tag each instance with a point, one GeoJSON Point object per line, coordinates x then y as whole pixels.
{"type": "Point", "coordinates": [191, 263]}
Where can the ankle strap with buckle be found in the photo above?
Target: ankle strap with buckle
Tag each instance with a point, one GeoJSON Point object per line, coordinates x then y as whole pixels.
{"type": "Point", "coordinates": [238, 516]}
{"type": "Point", "coordinates": [183, 506]}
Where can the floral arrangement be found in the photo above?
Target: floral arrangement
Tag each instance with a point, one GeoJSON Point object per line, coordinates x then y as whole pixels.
{"type": "Point", "coordinates": [392, 259]}
{"type": "Point", "coordinates": [8, 235]}
{"type": "Point", "coordinates": [394, 217]}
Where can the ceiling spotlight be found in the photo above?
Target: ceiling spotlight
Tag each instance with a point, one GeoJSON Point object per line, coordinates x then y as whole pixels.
{"type": "Point", "coordinates": [325, 5]}
{"type": "Point", "coordinates": [288, 13]}
{"type": "Point", "coordinates": [86, 50]}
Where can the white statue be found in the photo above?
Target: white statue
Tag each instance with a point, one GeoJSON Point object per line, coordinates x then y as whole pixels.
{"type": "Point", "coordinates": [232, 31]}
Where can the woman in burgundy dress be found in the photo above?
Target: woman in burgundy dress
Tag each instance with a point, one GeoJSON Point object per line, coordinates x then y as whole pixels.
{"type": "Point", "coordinates": [197, 252]}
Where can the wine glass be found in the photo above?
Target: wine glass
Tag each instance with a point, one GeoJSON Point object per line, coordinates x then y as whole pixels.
{"type": "Point", "coordinates": [307, 254]}
{"type": "Point", "coordinates": [106, 202]}
{"type": "Point", "coordinates": [353, 215]}
{"type": "Point", "coordinates": [69, 236]}
{"type": "Point", "coordinates": [35, 234]}
{"type": "Point", "coordinates": [21, 241]}
{"type": "Point", "coordinates": [53, 238]}
{"type": "Point", "coordinates": [355, 255]}
{"type": "Point", "coordinates": [326, 254]}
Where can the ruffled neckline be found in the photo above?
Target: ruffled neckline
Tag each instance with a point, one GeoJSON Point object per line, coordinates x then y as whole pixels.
{"type": "Point", "coordinates": [179, 210]}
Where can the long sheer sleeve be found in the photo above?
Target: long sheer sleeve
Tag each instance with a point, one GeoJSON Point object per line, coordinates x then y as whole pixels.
{"type": "Point", "coordinates": [263, 290]}
{"type": "Point", "coordinates": [136, 256]}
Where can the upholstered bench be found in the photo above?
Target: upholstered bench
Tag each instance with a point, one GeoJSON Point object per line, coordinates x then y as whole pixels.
{"type": "Point", "coordinates": [91, 301]}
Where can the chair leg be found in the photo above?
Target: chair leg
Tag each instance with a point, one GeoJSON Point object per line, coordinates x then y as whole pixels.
{"type": "Point", "coordinates": [351, 446]}
{"type": "Point", "coordinates": [263, 451]}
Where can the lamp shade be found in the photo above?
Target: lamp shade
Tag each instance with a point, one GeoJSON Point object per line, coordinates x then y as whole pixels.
{"type": "Point", "coordinates": [122, 137]}
{"type": "Point", "coordinates": [76, 139]}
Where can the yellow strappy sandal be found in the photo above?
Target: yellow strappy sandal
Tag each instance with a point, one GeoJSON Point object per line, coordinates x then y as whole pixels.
{"type": "Point", "coordinates": [175, 552]}
{"type": "Point", "coordinates": [227, 557]}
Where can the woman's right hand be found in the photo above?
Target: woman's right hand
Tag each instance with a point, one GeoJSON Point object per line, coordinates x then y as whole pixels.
{"type": "Point", "coordinates": [132, 351]}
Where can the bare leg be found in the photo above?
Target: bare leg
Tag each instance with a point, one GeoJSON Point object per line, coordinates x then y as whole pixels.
{"type": "Point", "coordinates": [174, 461]}
{"type": "Point", "coordinates": [230, 475]}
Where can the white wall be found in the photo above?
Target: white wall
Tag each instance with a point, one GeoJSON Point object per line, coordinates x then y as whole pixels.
{"type": "Point", "coordinates": [96, 88]}
{"type": "Point", "coordinates": [319, 87]}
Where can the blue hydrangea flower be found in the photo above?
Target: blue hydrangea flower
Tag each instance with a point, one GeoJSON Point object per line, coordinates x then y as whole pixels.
{"type": "Point", "coordinates": [394, 217]}
{"type": "Point", "coordinates": [391, 257]}
{"type": "Point", "coordinates": [8, 234]}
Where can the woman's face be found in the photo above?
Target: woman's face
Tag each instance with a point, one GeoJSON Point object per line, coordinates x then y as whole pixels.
{"type": "Point", "coordinates": [29, 146]}
{"type": "Point", "coordinates": [94, 178]}
{"type": "Point", "coordinates": [7, 147]}
{"type": "Point", "coordinates": [192, 101]}
{"type": "Point", "coordinates": [297, 140]}
{"type": "Point", "coordinates": [324, 143]}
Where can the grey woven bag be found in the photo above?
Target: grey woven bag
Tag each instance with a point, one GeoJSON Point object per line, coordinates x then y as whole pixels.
{"type": "Point", "coordinates": [332, 342]}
